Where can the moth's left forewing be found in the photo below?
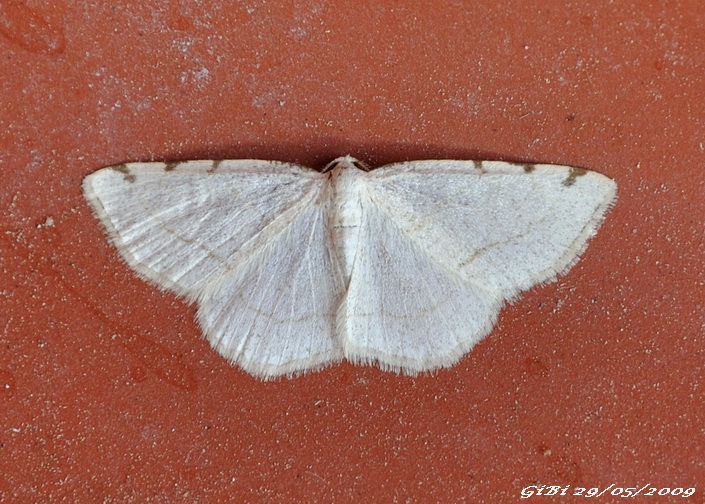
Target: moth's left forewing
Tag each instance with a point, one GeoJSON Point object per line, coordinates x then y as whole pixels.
{"type": "Point", "coordinates": [183, 225]}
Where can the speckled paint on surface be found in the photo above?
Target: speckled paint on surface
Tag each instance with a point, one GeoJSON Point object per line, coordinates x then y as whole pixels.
{"type": "Point", "coordinates": [109, 393]}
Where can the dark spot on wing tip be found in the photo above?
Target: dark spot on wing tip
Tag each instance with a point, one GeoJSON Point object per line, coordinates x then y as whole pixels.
{"type": "Point", "coordinates": [574, 174]}
{"type": "Point", "coordinates": [122, 168]}
{"type": "Point", "coordinates": [528, 168]}
{"type": "Point", "coordinates": [214, 166]}
{"type": "Point", "coordinates": [170, 166]}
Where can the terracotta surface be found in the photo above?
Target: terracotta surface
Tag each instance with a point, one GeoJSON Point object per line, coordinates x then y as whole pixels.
{"type": "Point", "coordinates": [110, 394]}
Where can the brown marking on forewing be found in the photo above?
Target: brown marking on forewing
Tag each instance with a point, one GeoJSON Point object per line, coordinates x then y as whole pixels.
{"type": "Point", "coordinates": [122, 168]}
{"type": "Point", "coordinates": [574, 174]}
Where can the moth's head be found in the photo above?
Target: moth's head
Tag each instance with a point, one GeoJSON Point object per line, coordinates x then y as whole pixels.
{"type": "Point", "coordinates": [346, 163]}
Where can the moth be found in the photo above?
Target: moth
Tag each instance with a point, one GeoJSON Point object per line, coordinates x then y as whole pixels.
{"type": "Point", "coordinates": [406, 266]}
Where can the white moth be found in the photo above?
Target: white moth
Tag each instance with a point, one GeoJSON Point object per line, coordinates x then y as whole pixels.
{"type": "Point", "coordinates": [405, 266]}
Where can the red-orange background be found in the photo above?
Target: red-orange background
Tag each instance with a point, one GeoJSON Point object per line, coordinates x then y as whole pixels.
{"type": "Point", "coordinates": [110, 394]}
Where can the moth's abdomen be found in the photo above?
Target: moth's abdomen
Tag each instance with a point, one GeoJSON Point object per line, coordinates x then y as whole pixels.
{"type": "Point", "coordinates": [346, 216]}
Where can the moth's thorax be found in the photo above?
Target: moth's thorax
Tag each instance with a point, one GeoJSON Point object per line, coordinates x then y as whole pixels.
{"type": "Point", "coordinates": [348, 191]}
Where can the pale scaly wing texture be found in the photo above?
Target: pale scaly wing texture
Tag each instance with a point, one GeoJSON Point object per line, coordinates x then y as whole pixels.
{"type": "Point", "coordinates": [444, 244]}
{"type": "Point", "coordinates": [275, 314]}
{"type": "Point", "coordinates": [500, 226]}
{"type": "Point", "coordinates": [247, 240]}
{"type": "Point", "coordinates": [182, 225]}
{"type": "Point", "coordinates": [405, 311]}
